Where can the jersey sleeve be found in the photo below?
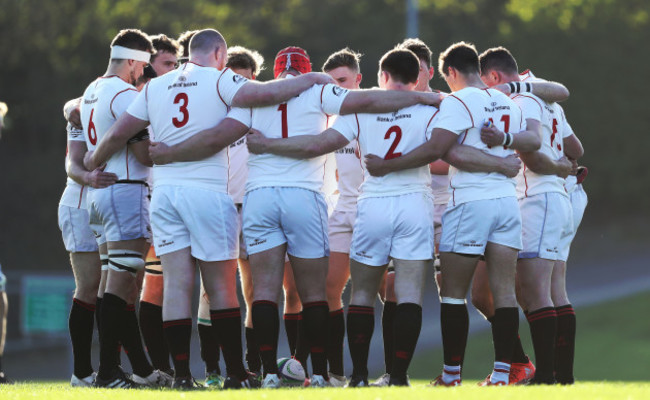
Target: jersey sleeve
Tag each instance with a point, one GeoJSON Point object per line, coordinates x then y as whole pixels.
{"type": "Point", "coordinates": [348, 126]}
{"type": "Point", "coordinates": [566, 127]}
{"type": "Point", "coordinates": [331, 98]}
{"type": "Point", "coordinates": [531, 108]}
{"type": "Point", "coordinates": [243, 115]}
{"type": "Point", "coordinates": [74, 134]}
{"type": "Point", "coordinates": [122, 101]}
{"type": "Point", "coordinates": [138, 108]}
{"type": "Point", "coordinates": [228, 85]}
{"type": "Point", "coordinates": [431, 123]}
{"type": "Point", "coordinates": [454, 116]}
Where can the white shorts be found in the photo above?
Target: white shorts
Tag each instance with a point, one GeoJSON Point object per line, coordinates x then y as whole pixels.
{"type": "Point", "coordinates": [75, 227]}
{"type": "Point", "coordinates": [122, 210]}
{"type": "Point", "coordinates": [393, 227]}
{"type": "Point", "coordinates": [546, 223]}
{"type": "Point", "coordinates": [341, 224]}
{"type": "Point", "coordinates": [579, 201]}
{"type": "Point", "coordinates": [277, 215]}
{"type": "Point", "coordinates": [204, 220]}
{"type": "Point", "coordinates": [468, 227]}
{"type": "Point", "coordinates": [438, 210]}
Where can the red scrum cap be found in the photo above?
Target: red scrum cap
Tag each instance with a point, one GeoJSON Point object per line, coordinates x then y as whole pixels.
{"type": "Point", "coordinates": [292, 57]}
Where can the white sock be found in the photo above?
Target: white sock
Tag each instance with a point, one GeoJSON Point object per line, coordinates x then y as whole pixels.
{"type": "Point", "coordinates": [501, 372]}
{"type": "Point", "coordinates": [450, 373]}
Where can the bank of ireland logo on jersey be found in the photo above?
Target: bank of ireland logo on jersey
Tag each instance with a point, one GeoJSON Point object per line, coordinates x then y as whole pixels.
{"type": "Point", "coordinates": [338, 91]}
{"type": "Point", "coordinates": [182, 78]}
{"type": "Point", "coordinates": [238, 78]}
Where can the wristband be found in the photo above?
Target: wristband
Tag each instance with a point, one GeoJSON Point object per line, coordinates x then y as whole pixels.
{"type": "Point", "coordinates": [509, 138]}
{"type": "Point", "coordinates": [505, 138]}
{"type": "Point", "coordinates": [517, 87]}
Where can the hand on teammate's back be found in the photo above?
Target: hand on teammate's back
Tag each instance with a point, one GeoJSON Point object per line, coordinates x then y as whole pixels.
{"type": "Point", "coordinates": [159, 153]}
{"type": "Point", "coordinates": [491, 136]}
{"type": "Point", "coordinates": [503, 88]}
{"type": "Point", "coordinates": [432, 98]}
{"type": "Point", "coordinates": [511, 165]}
{"type": "Point", "coordinates": [376, 165]}
{"type": "Point", "coordinates": [98, 179]}
{"type": "Point", "coordinates": [321, 78]}
{"type": "Point", "coordinates": [255, 142]}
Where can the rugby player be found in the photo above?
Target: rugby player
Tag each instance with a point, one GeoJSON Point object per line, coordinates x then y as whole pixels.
{"type": "Point", "coordinates": [194, 218]}
{"type": "Point", "coordinates": [3, 281]}
{"type": "Point", "coordinates": [480, 202]}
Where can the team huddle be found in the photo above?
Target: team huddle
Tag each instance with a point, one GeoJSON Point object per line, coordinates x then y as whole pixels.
{"type": "Point", "coordinates": [178, 157]}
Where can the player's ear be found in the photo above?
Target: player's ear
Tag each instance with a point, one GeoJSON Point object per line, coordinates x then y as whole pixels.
{"type": "Point", "coordinates": [358, 79]}
{"type": "Point", "coordinates": [431, 72]}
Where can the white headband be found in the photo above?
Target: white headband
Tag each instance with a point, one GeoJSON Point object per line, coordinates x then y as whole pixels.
{"type": "Point", "coordinates": [119, 52]}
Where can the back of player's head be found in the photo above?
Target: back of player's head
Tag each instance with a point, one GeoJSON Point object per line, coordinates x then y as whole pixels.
{"type": "Point", "coordinates": [184, 42]}
{"type": "Point", "coordinates": [289, 58]}
{"type": "Point", "coordinates": [163, 43]}
{"type": "Point", "coordinates": [343, 58]}
{"type": "Point", "coordinates": [499, 59]}
{"type": "Point", "coordinates": [460, 56]}
{"type": "Point", "coordinates": [206, 41]}
{"type": "Point", "coordinates": [402, 65]}
{"type": "Point", "coordinates": [133, 39]}
{"type": "Point", "coordinates": [242, 58]}
{"type": "Point", "coordinates": [421, 50]}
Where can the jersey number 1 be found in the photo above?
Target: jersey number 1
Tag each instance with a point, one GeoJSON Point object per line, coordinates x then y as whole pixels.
{"type": "Point", "coordinates": [179, 123]}
{"type": "Point", "coordinates": [285, 126]}
{"type": "Point", "coordinates": [398, 136]}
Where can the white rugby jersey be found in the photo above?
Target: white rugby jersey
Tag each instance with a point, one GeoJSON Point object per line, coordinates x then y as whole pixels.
{"type": "Point", "coordinates": [571, 182]}
{"type": "Point", "coordinates": [74, 194]}
{"type": "Point", "coordinates": [238, 172]}
{"type": "Point", "coordinates": [349, 176]}
{"type": "Point", "coordinates": [464, 112]}
{"type": "Point", "coordinates": [180, 104]}
{"type": "Point", "coordinates": [102, 104]}
{"type": "Point", "coordinates": [305, 114]}
{"type": "Point", "coordinates": [389, 136]}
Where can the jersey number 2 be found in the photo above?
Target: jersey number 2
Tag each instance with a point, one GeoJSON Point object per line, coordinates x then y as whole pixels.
{"type": "Point", "coordinates": [181, 97]}
{"type": "Point", "coordinates": [398, 136]}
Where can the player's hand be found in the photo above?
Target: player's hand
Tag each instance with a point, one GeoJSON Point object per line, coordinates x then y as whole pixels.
{"type": "Point", "coordinates": [88, 161]}
{"type": "Point", "coordinates": [376, 165]}
{"type": "Point", "coordinates": [320, 78]}
{"type": "Point", "coordinates": [256, 142]}
{"type": "Point", "coordinates": [565, 167]}
{"type": "Point", "coordinates": [160, 153]}
{"type": "Point", "coordinates": [511, 165]}
{"type": "Point", "coordinates": [431, 98]}
{"type": "Point", "coordinates": [99, 179]}
{"type": "Point", "coordinates": [491, 136]}
{"type": "Point", "coordinates": [503, 88]}
{"type": "Point", "coordinates": [73, 115]}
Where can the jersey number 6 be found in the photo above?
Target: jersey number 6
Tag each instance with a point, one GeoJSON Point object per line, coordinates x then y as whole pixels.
{"type": "Point", "coordinates": [179, 123]}
{"type": "Point", "coordinates": [92, 130]}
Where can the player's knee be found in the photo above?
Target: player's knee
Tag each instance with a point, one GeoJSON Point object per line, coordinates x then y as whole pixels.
{"type": "Point", "coordinates": [125, 260]}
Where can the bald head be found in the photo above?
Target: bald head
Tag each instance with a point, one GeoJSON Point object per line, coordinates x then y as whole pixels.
{"type": "Point", "coordinates": [207, 41]}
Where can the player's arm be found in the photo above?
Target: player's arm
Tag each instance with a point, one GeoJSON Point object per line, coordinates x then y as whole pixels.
{"type": "Point", "coordinates": [75, 169]}
{"type": "Point", "coordinates": [573, 147]}
{"type": "Point", "coordinates": [126, 127]}
{"type": "Point", "coordinates": [436, 147]}
{"type": "Point", "coordinates": [303, 146]}
{"type": "Point", "coordinates": [471, 159]}
{"type": "Point", "coordinates": [72, 112]}
{"type": "Point", "coordinates": [552, 92]}
{"type": "Point", "coordinates": [524, 141]}
{"type": "Point", "coordinates": [260, 94]}
{"type": "Point", "coordinates": [139, 147]}
{"type": "Point", "coordinates": [374, 101]}
{"type": "Point", "coordinates": [542, 164]}
{"type": "Point", "coordinates": [200, 146]}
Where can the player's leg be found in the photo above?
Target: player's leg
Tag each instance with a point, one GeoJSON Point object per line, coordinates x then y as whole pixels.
{"type": "Point", "coordinates": [292, 313]}
{"type": "Point", "coordinates": [4, 306]}
{"type": "Point", "coordinates": [388, 319]}
{"type": "Point", "coordinates": [253, 359]}
{"type": "Point", "coordinates": [208, 342]}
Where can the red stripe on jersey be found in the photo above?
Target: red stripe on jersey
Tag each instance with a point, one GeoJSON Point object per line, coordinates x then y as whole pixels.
{"type": "Point", "coordinates": [219, 80]}
{"type": "Point", "coordinates": [525, 182]}
{"type": "Point", "coordinates": [469, 112]}
{"type": "Point", "coordinates": [114, 97]}
{"type": "Point", "coordinates": [525, 75]}
{"type": "Point", "coordinates": [532, 98]}
{"type": "Point", "coordinates": [127, 161]}
{"type": "Point", "coordinates": [487, 91]}
{"type": "Point", "coordinates": [432, 117]}
{"type": "Point", "coordinates": [356, 116]}
{"type": "Point", "coordinates": [81, 195]}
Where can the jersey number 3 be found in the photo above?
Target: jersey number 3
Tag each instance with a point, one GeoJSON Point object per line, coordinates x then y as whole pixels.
{"type": "Point", "coordinates": [179, 123]}
{"type": "Point", "coordinates": [398, 136]}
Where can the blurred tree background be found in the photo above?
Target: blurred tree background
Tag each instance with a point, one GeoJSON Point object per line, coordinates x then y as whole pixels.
{"type": "Point", "coordinates": [51, 50]}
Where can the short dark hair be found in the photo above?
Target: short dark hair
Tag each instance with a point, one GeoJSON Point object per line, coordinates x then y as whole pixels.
{"type": "Point", "coordinates": [402, 65]}
{"type": "Point", "coordinates": [206, 40]}
{"type": "Point", "coordinates": [133, 39]}
{"type": "Point", "coordinates": [461, 56]}
{"type": "Point", "coordinates": [343, 58]}
{"type": "Point", "coordinates": [184, 42]}
{"type": "Point", "coordinates": [242, 58]}
{"type": "Point", "coordinates": [498, 58]}
{"type": "Point", "coordinates": [421, 50]}
{"type": "Point", "coordinates": [163, 43]}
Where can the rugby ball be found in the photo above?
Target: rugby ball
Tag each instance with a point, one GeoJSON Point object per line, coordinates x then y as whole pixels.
{"type": "Point", "coordinates": [290, 372]}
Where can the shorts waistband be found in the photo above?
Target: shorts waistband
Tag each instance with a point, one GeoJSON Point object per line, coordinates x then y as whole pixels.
{"type": "Point", "coordinates": [132, 182]}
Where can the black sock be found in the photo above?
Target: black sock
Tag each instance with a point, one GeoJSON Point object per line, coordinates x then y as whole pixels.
{"type": "Point", "coordinates": [98, 311]}
{"type": "Point", "coordinates": [505, 326]}
{"type": "Point", "coordinates": [209, 349]}
{"type": "Point", "coordinates": [335, 345]}
{"type": "Point", "coordinates": [291, 328]}
{"type": "Point", "coordinates": [565, 344]}
{"type": "Point", "coordinates": [267, 326]}
{"type": "Point", "coordinates": [179, 335]}
{"type": "Point", "coordinates": [81, 323]}
{"type": "Point", "coordinates": [407, 326]}
{"type": "Point", "coordinates": [113, 314]}
{"type": "Point", "coordinates": [151, 326]}
{"type": "Point", "coordinates": [315, 318]}
{"type": "Point", "coordinates": [387, 323]}
{"type": "Point", "coordinates": [454, 325]}
{"type": "Point", "coordinates": [543, 327]}
{"type": "Point", "coordinates": [227, 324]}
{"type": "Point", "coordinates": [302, 346]}
{"type": "Point", "coordinates": [361, 324]}
{"type": "Point", "coordinates": [252, 352]}
{"type": "Point", "coordinates": [132, 343]}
